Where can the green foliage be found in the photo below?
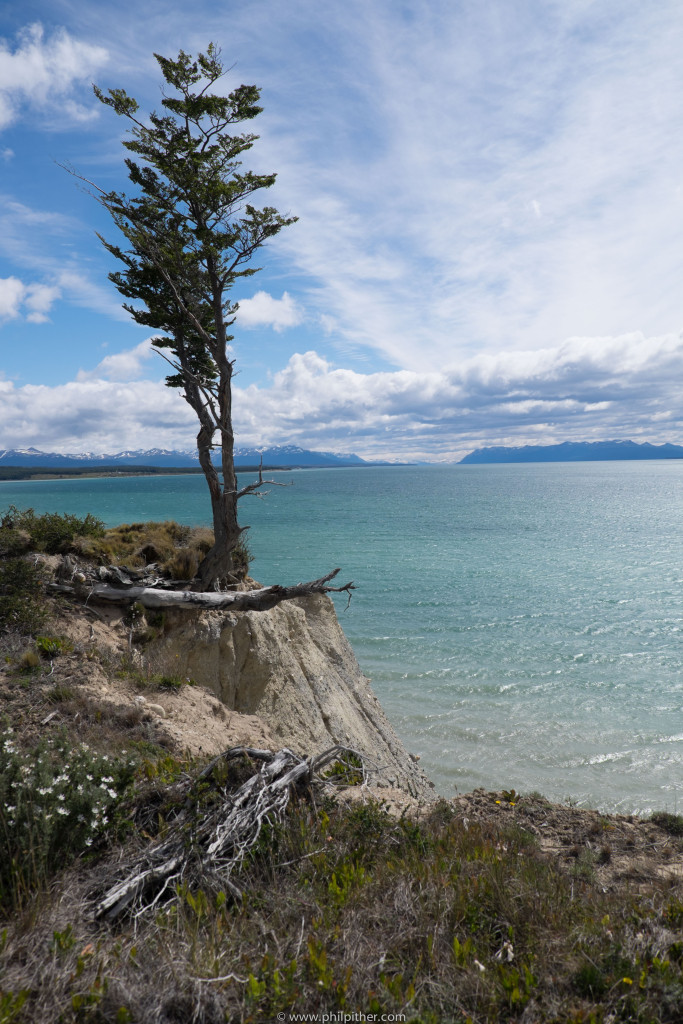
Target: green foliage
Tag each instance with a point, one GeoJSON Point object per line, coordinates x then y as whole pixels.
{"type": "Point", "coordinates": [55, 800]}
{"type": "Point", "coordinates": [28, 663]}
{"type": "Point", "coordinates": [51, 646]}
{"type": "Point", "coordinates": [191, 229]}
{"type": "Point", "coordinates": [671, 823]}
{"type": "Point", "coordinates": [348, 770]}
{"type": "Point", "coordinates": [22, 605]}
{"type": "Point", "coordinates": [11, 1005]}
{"type": "Point", "coordinates": [348, 909]}
{"type": "Point", "coordinates": [51, 532]}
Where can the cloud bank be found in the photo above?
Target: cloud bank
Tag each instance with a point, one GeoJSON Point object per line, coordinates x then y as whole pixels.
{"type": "Point", "coordinates": [583, 389]}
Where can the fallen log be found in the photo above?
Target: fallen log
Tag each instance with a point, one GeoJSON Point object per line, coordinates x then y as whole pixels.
{"type": "Point", "coordinates": [234, 600]}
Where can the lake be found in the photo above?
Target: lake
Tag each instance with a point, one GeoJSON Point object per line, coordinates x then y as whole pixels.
{"type": "Point", "coordinates": [521, 624]}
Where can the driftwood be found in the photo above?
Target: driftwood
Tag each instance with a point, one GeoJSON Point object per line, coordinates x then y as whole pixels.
{"type": "Point", "coordinates": [234, 600]}
{"type": "Point", "coordinates": [215, 841]}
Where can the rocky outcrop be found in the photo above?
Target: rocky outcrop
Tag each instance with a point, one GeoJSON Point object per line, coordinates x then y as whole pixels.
{"type": "Point", "coordinates": [293, 667]}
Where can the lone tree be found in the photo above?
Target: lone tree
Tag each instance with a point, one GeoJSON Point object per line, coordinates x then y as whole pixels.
{"type": "Point", "coordinates": [191, 232]}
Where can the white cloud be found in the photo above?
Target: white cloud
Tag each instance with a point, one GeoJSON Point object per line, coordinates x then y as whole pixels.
{"type": "Point", "coordinates": [121, 366]}
{"type": "Point", "coordinates": [12, 292]}
{"type": "Point", "coordinates": [583, 389]}
{"type": "Point", "coordinates": [43, 74]}
{"type": "Point", "coordinates": [37, 299]}
{"type": "Point", "coordinates": [263, 310]}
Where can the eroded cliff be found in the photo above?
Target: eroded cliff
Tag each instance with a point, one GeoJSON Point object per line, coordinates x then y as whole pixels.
{"type": "Point", "coordinates": [292, 667]}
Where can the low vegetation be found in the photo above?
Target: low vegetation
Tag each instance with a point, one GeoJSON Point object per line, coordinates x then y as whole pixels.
{"type": "Point", "coordinates": [175, 550]}
{"type": "Point", "coordinates": [346, 909]}
{"type": "Point", "coordinates": [23, 530]}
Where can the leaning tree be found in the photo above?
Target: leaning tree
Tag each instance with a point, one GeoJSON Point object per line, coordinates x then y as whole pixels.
{"type": "Point", "coordinates": [190, 233]}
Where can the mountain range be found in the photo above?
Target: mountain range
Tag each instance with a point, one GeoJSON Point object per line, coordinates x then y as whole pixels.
{"type": "Point", "coordinates": [576, 451]}
{"type": "Point", "coordinates": [288, 455]}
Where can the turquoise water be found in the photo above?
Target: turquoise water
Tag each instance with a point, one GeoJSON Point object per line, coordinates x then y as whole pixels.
{"type": "Point", "coordinates": [521, 624]}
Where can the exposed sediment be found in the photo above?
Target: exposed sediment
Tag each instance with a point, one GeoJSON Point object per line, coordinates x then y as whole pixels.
{"type": "Point", "coordinates": [292, 667]}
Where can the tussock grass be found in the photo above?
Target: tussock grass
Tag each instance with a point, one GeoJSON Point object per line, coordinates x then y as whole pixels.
{"type": "Point", "coordinates": [177, 550]}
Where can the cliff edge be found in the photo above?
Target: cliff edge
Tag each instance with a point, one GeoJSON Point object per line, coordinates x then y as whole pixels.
{"type": "Point", "coordinates": [292, 667]}
{"type": "Point", "coordinates": [286, 677]}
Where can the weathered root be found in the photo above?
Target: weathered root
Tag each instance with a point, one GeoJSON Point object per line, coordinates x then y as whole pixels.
{"type": "Point", "coordinates": [215, 841]}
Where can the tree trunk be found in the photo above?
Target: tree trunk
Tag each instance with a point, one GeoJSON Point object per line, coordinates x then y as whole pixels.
{"type": "Point", "coordinates": [216, 570]}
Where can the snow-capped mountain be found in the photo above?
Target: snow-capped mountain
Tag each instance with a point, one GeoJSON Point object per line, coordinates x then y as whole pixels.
{"type": "Point", "coordinates": [277, 455]}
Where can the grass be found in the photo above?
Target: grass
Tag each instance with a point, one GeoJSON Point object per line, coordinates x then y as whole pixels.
{"type": "Point", "coordinates": [177, 550]}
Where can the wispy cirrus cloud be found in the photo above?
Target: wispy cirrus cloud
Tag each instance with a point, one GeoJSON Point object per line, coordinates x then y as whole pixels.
{"type": "Point", "coordinates": [513, 179]}
{"type": "Point", "coordinates": [488, 195]}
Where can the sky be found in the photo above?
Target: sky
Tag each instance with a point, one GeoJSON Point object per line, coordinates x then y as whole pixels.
{"type": "Point", "coordinates": [489, 247]}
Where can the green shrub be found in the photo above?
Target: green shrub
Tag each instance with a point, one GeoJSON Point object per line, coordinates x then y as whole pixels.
{"type": "Point", "coordinates": [55, 800]}
{"type": "Point", "coordinates": [51, 532]}
{"type": "Point", "coordinates": [21, 595]}
{"type": "Point", "coordinates": [51, 646]}
{"type": "Point", "coordinates": [671, 823]}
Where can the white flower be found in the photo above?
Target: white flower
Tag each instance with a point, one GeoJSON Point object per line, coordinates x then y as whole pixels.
{"type": "Point", "coordinates": [112, 793]}
{"type": "Point", "coordinates": [479, 966]}
{"type": "Point", "coordinates": [63, 811]}
{"type": "Point", "coordinates": [506, 953]}
{"type": "Point", "coordinates": [44, 790]}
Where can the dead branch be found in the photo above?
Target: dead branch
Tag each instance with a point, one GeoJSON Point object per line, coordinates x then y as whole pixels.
{"type": "Point", "coordinates": [235, 600]}
{"type": "Point", "coordinates": [214, 841]}
{"type": "Point", "coordinates": [254, 487]}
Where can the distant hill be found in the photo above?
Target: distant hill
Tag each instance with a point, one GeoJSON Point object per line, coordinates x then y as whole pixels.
{"type": "Point", "coordinates": [576, 451]}
{"type": "Point", "coordinates": [279, 455]}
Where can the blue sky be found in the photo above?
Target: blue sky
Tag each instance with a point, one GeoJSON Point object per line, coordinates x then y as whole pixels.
{"type": "Point", "coordinates": [489, 247]}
